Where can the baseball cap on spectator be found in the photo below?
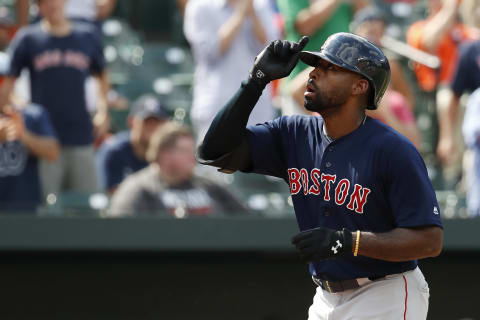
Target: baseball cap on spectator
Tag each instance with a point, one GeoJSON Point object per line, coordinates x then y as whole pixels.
{"type": "Point", "coordinates": [148, 106]}
{"type": "Point", "coordinates": [367, 14]}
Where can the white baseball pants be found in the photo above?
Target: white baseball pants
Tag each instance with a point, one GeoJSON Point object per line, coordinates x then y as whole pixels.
{"type": "Point", "coordinates": [402, 296]}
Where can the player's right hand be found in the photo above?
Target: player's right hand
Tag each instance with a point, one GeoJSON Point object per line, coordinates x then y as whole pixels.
{"type": "Point", "coordinates": [277, 60]}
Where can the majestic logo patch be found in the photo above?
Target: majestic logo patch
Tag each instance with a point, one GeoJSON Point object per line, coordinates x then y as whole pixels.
{"type": "Point", "coordinates": [435, 210]}
{"type": "Point", "coordinates": [340, 192]}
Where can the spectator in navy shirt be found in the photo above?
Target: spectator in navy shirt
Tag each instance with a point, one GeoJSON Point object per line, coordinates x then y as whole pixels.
{"type": "Point", "coordinates": [26, 135]}
{"type": "Point", "coordinates": [466, 79]}
{"type": "Point", "coordinates": [124, 153]}
{"type": "Point", "coordinates": [60, 56]}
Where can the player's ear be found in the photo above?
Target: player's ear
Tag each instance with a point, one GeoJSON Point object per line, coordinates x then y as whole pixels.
{"type": "Point", "coordinates": [360, 86]}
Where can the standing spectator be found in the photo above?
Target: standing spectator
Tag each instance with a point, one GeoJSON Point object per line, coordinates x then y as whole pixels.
{"type": "Point", "coordinates": [169, 182]}
{"type": "Point", "coordinates": [60, 56]}
{"type": "Point", "coordinates": [125, 153]}
{"type": "Point", "coordinates": [440, 34]}
{"type": "Point", "coordinates": [466, 79]}
{"type": "Point", "coordinates": [471, 135]}
{"type": "Point", "coordinates": [26, 135]}
{"type": "Point", "coordinates": [317, 19]}
{"type": "Point", "coordinates": [225, 36]}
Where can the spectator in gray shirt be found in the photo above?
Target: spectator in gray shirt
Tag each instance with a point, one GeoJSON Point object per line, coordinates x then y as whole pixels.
{"type": "Point", "coordinates": [169, 184]}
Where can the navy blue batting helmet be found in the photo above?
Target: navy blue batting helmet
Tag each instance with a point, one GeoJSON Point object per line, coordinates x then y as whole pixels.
{"type": "Point", "coordinates": [356, 54]}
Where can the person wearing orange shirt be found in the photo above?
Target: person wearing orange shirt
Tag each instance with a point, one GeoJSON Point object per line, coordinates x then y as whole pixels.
{"type": "Point", "coordinates": [441, 34]}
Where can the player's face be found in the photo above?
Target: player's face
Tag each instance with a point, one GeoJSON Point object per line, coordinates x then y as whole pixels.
{"type": "Point", "coordinates": [328, 87]}
{"type": "Point", "coordinates": [178, 162]}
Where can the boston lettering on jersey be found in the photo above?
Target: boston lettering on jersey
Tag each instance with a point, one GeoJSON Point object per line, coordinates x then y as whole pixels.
{"type": "Point", "coordinates": [312, 182]}
{"type": "Point", "coordinates": [55, 58]}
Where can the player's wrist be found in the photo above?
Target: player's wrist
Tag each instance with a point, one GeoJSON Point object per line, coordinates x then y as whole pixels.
{"type": "Point", "coordinates": [256, 83]}
{"type": "Point", "coordinates": [348, 240]}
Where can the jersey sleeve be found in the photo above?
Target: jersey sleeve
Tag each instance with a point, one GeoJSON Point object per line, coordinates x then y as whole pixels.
{"type": "Point", "coordinates": [410, 193]}
{"type": "Point", "coordinates": [266, 152]}
{"type": "Point", "coordinates": [18, 54]}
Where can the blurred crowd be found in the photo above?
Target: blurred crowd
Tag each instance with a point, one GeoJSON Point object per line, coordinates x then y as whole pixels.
{"type": "Point", "coordinates": [58, 101]}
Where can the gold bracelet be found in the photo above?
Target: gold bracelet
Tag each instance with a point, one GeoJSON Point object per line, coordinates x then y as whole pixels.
{"type": "Point", "coordinates": [357, 243]}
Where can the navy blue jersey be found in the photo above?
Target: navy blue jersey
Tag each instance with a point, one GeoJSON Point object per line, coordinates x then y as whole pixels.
{"type": "Point", "coordinates": [19, 181]}
{"type": "Point", "coordinates": [372, 179]}
{"type": "Point", "coordinates": [58, 69]}
{"type": "Point", "coordinates": [467, 76]}
{"type": "Point", "coordinates": [116, 160]}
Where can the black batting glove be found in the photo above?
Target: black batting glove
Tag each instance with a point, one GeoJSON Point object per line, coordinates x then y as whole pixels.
{"type": "Point", "coordinates": [277, 60]}
{"type": "Point", "coordinates": [322, 243]}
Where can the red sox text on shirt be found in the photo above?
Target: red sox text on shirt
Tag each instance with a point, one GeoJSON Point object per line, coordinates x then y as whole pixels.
{"type": "Point", "coordinates": [312, 181]}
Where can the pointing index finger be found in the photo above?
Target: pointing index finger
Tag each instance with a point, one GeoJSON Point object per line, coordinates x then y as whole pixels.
{"type": "Point", "coordinates": [298, 46]}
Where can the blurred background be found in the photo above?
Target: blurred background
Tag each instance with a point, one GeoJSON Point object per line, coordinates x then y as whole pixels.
{"type": "Point", "coordinates": [112, 219]}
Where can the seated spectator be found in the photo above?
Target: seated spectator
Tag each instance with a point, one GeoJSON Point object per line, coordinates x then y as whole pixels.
{"type": "Point", "coordinates": [371, 23]}
{"type": "Point", "coordinates": [471, 135]}
{"type": "Point", "coordinates": [125, 153]}
{"type": "Point", "coordinates": [26, 135]}
{"type": "Point", "coordinates": [169, 183]}
{"type": "Point", "coordinates": [395, 108]}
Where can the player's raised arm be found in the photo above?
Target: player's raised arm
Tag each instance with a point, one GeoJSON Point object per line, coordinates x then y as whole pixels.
{"type": "Point", "coordinates": [224, 141]}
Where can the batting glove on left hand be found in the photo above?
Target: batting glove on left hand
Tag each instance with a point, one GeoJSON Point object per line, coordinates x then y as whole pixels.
{"type": "Point", "coordinates": [322, 243]}
{"type": "Point", "coordinates": [277, 60]}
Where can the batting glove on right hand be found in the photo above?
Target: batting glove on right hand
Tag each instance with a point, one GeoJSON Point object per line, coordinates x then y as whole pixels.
{"type": "Point", "coordinates": [322, 243]}
{"type": "Point", "coordinates": [277, 60]}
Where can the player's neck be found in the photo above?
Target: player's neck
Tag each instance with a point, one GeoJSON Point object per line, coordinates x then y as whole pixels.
{"type": "Point", "coordinates": [59, 28]}
{"type": "Point", "coordinates": [337, 125]}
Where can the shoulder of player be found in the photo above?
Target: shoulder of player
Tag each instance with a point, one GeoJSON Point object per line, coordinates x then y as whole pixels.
{"type": "Point", "coordinates": [385, 137]}
{"type": "Point", "coordinates": [295, 121]}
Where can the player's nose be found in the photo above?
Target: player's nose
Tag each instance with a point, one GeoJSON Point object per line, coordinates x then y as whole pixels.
{"type": "Point", "coordinates": [313, 75]}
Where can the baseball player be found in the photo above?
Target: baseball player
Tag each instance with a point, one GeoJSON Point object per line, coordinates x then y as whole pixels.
{"type": "Point", "coordinates": [363, 201]}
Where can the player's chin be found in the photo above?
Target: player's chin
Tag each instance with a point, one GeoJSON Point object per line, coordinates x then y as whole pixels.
{"type": "Point", "coordinates": [310, 104]}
